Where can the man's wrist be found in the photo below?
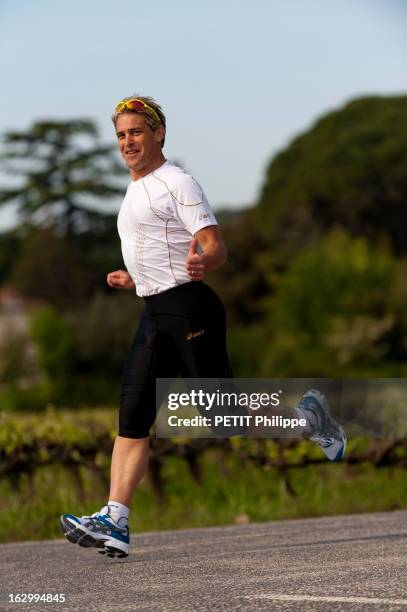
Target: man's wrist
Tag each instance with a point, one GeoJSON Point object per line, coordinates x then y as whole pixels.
{"type": "Point", "coordinates": [213, 261]}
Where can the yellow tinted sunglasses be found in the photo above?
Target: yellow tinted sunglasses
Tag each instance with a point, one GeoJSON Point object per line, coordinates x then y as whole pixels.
{"type": "Point", "coordinates": [136, 104]}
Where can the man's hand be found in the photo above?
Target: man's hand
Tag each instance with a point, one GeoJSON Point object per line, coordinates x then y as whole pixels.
{"type": "Point", "coordinates": [120, 279]}
{"type": "Point", "coordinates": [213, 255]}
{"type": "Point", "coordinates": [195, 262]}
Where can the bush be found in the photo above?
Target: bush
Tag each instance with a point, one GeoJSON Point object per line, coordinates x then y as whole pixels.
{"type": "Point", "coordinates": [55, 345]}
{"type": "Point", "coordinates": [332, 314]}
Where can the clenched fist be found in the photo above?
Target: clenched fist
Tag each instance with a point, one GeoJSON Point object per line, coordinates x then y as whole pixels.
{"type": "Point", "coordinates": [120, 279]}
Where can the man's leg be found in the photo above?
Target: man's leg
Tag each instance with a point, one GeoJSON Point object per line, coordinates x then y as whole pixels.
{"type": "Point", "coordinates": [107, 529]}
{"type": "Point", "coordinates": [129, 465]}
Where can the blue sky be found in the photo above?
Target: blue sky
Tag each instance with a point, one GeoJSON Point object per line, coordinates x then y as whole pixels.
{"type": "Point", "coordinates": [237, 80]}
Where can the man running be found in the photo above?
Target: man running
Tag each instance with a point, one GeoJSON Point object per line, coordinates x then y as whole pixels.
{"type": "Point", "coordinates": [169, 239]}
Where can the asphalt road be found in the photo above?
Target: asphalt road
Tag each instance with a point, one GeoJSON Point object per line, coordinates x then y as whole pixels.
{"type": "Point", "coordinates": [347, 563]}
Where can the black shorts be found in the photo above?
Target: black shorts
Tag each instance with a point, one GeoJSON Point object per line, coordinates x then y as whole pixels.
{"type": "Point", "coordinates": [182, 331]}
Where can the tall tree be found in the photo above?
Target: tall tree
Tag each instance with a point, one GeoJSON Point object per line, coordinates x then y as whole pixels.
{"type": "Point", "coordinates": [65, 174]}
{"type": "Point", "coordinates": [348, 170]}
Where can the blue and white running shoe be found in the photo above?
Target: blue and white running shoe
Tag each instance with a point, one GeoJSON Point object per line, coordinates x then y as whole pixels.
{"type": "Point", "coordinates": [99, 531]}
{"type": "Point", "coordinates": [323, 429]}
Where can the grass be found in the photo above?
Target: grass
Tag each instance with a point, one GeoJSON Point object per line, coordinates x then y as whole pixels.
{"type": "Point", "coordinates": [248, 492]}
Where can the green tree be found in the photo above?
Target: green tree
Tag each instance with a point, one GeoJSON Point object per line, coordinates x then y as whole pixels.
{"type": "Point", "coordinates": [82, 351]}
{"type": "Point", "coordinates": [241, 281]}
{"type": "Point", "coordinates": [103, 329]}
{"type": "Point", "coordinates": [65, 171]}
{"type": "Point", "coordinates": [54, 340]}
{"type": "Point", "coordinates": [348, 170]}
{"type": "Point", "coordinates": [333, 312]}
{"type": "Point", "coordinates": [50, 268]}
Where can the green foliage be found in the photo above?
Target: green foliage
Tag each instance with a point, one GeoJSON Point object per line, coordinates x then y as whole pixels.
{"type": "Point", "coordinates": [246, 346]}
{"type": "Point", "coordinates": [339, 276]}
{"type": "Point", "coordinates": [55, 347]}
{"type": "Point", "coordinates": [14, 359]}
{"type": "Point", "coordinates": [348, 170]}
{"type": "Point", "coordinates": [104, 329]}
{"type": "Point", "coordinates": [56, 427]}
{"type": "Point", "coordinates": [32, 398]}
{"type": "Point", "coordinates": [50, 268]}
{"type": "Point", "coordinates": [241, 282]}
{"type": "Point", "coordinates": [78, 356]}
{"type": "Point", "coordinates": [332, 311]}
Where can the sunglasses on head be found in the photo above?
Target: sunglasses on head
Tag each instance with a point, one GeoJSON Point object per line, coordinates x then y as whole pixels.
{"type": "Point", "coordinates": [136, 104]}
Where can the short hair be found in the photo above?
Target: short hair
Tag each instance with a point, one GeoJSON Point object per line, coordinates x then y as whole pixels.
{"type": "Point", "coordinates": [149, 117]}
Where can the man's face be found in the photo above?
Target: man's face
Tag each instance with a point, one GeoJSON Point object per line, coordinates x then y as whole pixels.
{"type": "Point", "coordinates": [138, 144]}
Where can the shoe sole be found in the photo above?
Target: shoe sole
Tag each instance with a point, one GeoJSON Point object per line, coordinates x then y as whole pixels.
{"type": "Point", "coordinates": [343, 450]}
{"type": "Point", "coordinates": [321, 399]}
{"type": "Point", "coordinates": [78, 535]}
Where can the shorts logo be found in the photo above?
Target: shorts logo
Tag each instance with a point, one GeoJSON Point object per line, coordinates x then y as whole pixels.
{"type": "Point", "coordinates": [195, 334]}
{"type": "Point", "coordinates": [203, 216]}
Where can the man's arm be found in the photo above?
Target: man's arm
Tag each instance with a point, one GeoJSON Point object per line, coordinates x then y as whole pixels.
{"type": "Point", "coordinates": [213, 256]}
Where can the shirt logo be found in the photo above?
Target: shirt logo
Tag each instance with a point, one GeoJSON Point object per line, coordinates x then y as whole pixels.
{"type": "Point", "coordinates": [195, 334]}
{"type": "Point", "coordinates": [203, 216]}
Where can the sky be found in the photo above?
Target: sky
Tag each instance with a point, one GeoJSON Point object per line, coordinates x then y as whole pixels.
{"type": "Point", "coordinates": [237, 80]}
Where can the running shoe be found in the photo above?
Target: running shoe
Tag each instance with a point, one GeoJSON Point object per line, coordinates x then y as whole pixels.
{"type": "Point", "coordinates": [323, 429]}
{"type": "Point", "coordinates": [98, 531]}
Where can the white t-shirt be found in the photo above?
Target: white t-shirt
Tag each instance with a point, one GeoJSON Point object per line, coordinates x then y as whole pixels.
{"type": "Point", "coordinates": [157, 220]}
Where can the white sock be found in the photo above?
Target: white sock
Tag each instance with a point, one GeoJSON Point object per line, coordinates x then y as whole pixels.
{"type": "Point", "coordinates": [119, 512]}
